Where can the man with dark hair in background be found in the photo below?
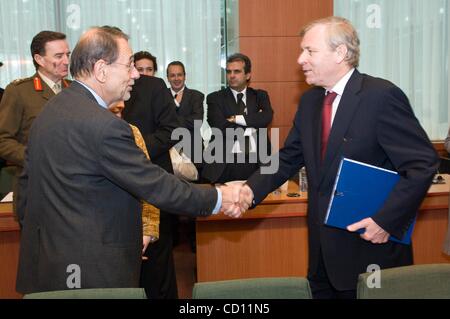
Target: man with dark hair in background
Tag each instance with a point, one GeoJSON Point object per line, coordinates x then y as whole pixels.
{"type": "Point", "coordinates": [189, 104]}
{"type": "Point", "coordinates": [243, 109]}
{"type": "Point", "coordinates": [145, 63]}
{"type": "Point", "coordinates": [189, 108]}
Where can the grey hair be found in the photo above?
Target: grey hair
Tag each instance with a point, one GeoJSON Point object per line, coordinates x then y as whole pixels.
{"type": "Point", "coordinates": [96, 44]}
{"type": "Point", "coordinates": [339, 31]}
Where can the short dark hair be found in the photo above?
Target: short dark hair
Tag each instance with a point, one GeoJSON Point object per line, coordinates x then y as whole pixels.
{"type": "Point", "coordinates": [242, 58]}
{"type": "Point", "coordinates": [96, 44]}
{"type": "Point", "coordinates": [175, 63]}
{"type": "Point", "coordinates": [40, 40]}
{"type": "Point", "coordinates": [146, 55]}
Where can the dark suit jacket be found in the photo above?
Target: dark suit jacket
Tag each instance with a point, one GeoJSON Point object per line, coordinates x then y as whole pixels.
{"type": "Point", "coordinates": [152, 109]}
{"type": "Point", "coordinates": [190, 110]}
{"type": "Point", "coordinates": [374, 124]}
{"type": "Point", "coordinates": [222, 105]}
{"type": "Point", "coordinates": [80, 191]}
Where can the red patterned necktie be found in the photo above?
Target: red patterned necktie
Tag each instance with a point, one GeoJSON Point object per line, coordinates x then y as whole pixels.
{"type": "Point", "coordinates": [326, 120]}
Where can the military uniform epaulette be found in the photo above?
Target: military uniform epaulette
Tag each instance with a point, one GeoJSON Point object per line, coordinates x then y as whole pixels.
{"type": "Point", "coordinates": [66, 82]}
{"type": "Point", "coordinates": [23, 80]}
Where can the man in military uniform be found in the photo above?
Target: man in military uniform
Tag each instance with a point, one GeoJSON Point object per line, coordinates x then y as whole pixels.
{"type": "Point", "coordinates": [24, 99]}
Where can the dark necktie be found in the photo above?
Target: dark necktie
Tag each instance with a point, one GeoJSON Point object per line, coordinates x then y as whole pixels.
{"type": "Point", "coordinates": [177, 104]}
{"type": "Point", "coordinates": [241, 105]}
{"type": "Point", "coordinates": [326, 120]}
{"type": "Point", "coordinates": [241, 111]}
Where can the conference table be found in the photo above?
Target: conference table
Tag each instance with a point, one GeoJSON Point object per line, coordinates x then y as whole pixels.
{"type": "Point", "coordinates": [9, 252]}
{"type": "Point", "coordinates": [271, 240]}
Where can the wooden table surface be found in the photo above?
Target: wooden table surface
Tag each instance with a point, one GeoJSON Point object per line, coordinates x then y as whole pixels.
{"type": "Point", "coordinates": [271, 239]}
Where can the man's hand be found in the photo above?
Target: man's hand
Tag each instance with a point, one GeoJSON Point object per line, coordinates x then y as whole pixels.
{"type": "Point", "coordinates": [230, 200]}
{"type": "Point", "coordinates": [374, 233]}
{"type": "Point", "coordinates": [246, 196]}
{"type": "Point", "coordinates": [236, 199]}
{"type": "Point", "coordinates": [232, 119]}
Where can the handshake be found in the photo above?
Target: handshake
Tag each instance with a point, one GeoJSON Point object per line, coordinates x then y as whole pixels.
{"type": "Point", "coordinates": [237, 197]}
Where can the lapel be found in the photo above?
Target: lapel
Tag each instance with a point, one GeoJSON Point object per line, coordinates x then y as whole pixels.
{"type": "Point", "coordinates": [46, 91]}
{"type": "Point", "coordinates": [316, 128]}
{"type": "Point", "coordinates": [347, 107]}
{"type": "Point", "coordinates": [65, 83]}
{"type": "Point", "coordinates": [185, 99]}
{"type": "Point", "coordinates": [231, 104]}
{"type": "Point", "coordinates": [251, 101]}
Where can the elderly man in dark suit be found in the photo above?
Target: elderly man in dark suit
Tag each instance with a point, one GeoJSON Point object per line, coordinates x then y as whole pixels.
{"type": "Point", "coordinates": [238, 113]}
{"type": "Point", "coordinates": [370, 120]}
{"type": "Point", "coordinates": [84, 177]}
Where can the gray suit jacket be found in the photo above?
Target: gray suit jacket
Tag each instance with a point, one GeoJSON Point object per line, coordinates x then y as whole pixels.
{"type": "Point", "coordinates": [82, 179]}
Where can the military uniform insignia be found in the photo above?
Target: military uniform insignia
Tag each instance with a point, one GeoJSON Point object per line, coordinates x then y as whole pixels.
{"type": "Point", "coordinates": [65, 83]}
{"type": "Point", "coordinates": [19, 81]}
{"type": "Point", "coordinates": [37, 84]}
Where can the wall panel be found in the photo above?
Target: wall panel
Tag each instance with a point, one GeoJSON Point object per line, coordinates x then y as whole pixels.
{"type": "Point", "coordinates": [279, 17]}
{"type": "Point", "coordinates": [269, 35]}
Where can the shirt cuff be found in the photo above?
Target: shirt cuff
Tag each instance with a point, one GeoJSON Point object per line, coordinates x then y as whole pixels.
{"type": "Point", "coordinates": [219, 202]}
{"type": "Point", "coordinates": [240, 119]}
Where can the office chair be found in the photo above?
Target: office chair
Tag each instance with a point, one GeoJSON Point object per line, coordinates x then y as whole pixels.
{"type": "Point", "coordinates": [95, 293]}
{"type": "Point", "coordinates": [409, 282]}
{"type": "Point", "coordinates": [255, 288]}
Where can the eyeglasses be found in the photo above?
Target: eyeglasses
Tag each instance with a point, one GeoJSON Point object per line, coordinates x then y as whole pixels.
{"type": "Point", "coordinates": [130, 66]}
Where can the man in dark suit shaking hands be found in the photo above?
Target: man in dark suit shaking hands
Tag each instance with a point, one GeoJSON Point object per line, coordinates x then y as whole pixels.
{"type": "Point", "coordinates": [84, 176]}
{"type": "Point", "coordinates": [371, 121]}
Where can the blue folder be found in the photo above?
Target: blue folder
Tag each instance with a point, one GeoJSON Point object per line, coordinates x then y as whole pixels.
{"type": "Point", "coordinates": [360, 191]}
